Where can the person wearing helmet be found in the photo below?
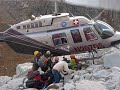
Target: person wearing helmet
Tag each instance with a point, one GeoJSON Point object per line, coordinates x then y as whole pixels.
{"type": "Point", "coordinates": [60, 68]}
{"type": "Point", "coordinates": [48, 52]}
{"type": "Point", "coordinates": [56, 60]}
{"type": "Point", "coordinates": [45, 61]}
{"type": "Point", "coordinates": [48, 57]}
{"type": "Point", "coordinates": [74, 63]}
{"type": "Point", "coordinates": [37, 56]}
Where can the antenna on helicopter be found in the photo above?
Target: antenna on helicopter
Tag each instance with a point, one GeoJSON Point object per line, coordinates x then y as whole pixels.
{"type": "Point", "coordinates": [56, 10]}
{"type": "Point", "coordinates": [32, 17]}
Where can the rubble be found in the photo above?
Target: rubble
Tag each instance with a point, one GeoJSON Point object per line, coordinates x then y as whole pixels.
{"type": "Point", "coordinates": [95, 77]}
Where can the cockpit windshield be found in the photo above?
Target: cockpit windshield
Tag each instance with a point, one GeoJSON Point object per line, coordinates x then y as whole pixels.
{"type": "Point", "coordinates": [104, 29]}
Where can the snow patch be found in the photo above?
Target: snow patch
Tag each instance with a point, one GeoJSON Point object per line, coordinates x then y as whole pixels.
{"type": "Point", "coordinates": [23, 67]}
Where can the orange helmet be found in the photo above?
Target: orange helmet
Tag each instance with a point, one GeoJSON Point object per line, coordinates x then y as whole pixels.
{"type": "Point", "coordinates": [72, 56]}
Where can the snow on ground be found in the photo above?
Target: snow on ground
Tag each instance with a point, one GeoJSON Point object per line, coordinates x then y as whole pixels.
{"type": "Point", "coordinates": [94, 77]}
{"type": "Point", "coordinates": [23, 67]}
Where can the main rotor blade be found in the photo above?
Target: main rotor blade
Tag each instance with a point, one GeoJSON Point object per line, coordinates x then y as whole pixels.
{"type": "Point", "coordinates": [107, 4]}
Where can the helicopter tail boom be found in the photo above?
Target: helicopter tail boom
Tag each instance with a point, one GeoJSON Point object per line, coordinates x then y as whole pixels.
{"type": "Point", "coordinates": [2, 37]}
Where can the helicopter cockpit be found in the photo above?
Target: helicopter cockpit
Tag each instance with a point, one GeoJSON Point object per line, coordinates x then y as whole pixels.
{"type": "Point", "coordinates": [104, 29]}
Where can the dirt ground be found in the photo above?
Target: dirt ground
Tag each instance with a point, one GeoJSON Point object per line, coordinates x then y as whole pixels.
{"type": "Point", "coordinates": [9, 59]}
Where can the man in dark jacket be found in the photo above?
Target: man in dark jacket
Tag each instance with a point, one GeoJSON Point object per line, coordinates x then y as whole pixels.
{"type": "Point", "coordinates": [37, 56]}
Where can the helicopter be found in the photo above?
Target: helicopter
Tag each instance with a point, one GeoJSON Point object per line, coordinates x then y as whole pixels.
{"type": "Point", "coordinates": [60, 34]}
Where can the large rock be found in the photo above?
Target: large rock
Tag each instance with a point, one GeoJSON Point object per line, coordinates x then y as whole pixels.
{"type": "Point", "coordinates": [101, 74]}
{"type": "Point", "coordinates": [89, 85]}
{"type": "Point", "coordinates": [23, 67]}
{"type": "Point", "coordinates": [4, 80]}
{"type": "Point", "coordinates": [114, 81]}
{"type": "Point", "coordinates": [12, 84]}
{"type": "Point", "coordinates": [112, 59]}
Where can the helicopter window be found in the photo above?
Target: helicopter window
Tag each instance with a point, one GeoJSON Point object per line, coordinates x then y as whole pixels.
{"type": "Point", "coordinates": [58, 19]}
{"type": "Point", "coordinates": [32, 25]}
{"type": "Point", "coordinates": [18, 27]}
{"type": "Point", "coordinates": [89, 34]}
{"type": "Point", "coordinates": [36, 24]}
{"type": "Point", "coordinates": [28, 26]}
{"type": "Point", "coordinates": [59, 39]}
{"type": "Point", "coordinates": [76, 36]}
{"type": "Point", "coordinates": [40, 24]}
{"type": "Point", "coordinates": [104, 29]}
{"type": "Point", "coordinates": [24, 26]}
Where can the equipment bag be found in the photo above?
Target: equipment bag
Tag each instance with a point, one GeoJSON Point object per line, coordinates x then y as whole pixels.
{"type": "Point", "coordinates": [34, 84]}
{"type": "Point", "coordinates": [32, 74]}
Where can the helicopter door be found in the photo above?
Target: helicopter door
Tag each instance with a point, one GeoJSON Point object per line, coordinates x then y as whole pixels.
{"type": "Point", "coordinates": [90, 34]}
{"type": "Point", "coordinates": [76, 39]}
{"type": "Point", "coordinates": [85, 39]}
{"type": "Point", "coordinates": [92, 38]}
{"type": "Point", "coordinates": [59, 40]}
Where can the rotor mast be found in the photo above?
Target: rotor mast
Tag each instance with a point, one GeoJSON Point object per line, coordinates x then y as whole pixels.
{"type": "Point", "coordinates": [56, 9]}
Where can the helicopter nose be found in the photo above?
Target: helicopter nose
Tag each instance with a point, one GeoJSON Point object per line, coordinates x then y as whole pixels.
{"type": "Point", "coordinates": [116, 39]}
{"type": "Point", "coordinates": [2, 37]}
{"type": "Point", "coordinates": [117, 35]}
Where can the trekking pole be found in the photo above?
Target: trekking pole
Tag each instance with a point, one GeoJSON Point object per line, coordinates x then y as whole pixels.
{"type": "Point", "coordinates": [63, 81]}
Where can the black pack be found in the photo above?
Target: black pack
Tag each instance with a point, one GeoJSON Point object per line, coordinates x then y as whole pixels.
{"type": "Point", "coordinates": [34, 84]}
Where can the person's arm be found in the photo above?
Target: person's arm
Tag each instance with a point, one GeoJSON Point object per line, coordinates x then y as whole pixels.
{"type": "Point", "coordinates": [65, 69]}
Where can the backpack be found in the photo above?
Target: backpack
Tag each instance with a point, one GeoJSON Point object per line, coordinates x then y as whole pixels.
{"type": "Point", "coordinates": [34, 84]}
{"type": "Point", "coordinates": [32, 74]}
{"type": "Point", "coordinates": [36, 80]}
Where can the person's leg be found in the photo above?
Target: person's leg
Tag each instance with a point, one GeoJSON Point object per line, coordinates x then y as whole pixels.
{"type": "Point", "coordinates": [79, 67]}
{"type": "Point", "coordinates": [57, 76]}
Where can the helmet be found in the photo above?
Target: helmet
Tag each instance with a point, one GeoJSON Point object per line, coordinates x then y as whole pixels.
{"type": "Point", "coordinates": [56, 59]}
{"type": "Point", "coordinates": [36, 53]}
{"type": "Point", "coordinates": [72, 56]}
{"type": "Point", "coordinates": [48, 52]}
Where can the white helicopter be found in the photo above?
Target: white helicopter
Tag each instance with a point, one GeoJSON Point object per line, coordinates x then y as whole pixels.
{"type": "Point", "coordinates": [60, 33]}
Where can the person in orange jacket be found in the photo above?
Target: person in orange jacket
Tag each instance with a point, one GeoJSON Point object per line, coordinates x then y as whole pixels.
{"type": "Point", "coordinates": [45, 61]}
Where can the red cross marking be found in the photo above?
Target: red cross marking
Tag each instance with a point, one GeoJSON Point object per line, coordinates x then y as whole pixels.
{"type": "Point", "coordinates": [76, 22]}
